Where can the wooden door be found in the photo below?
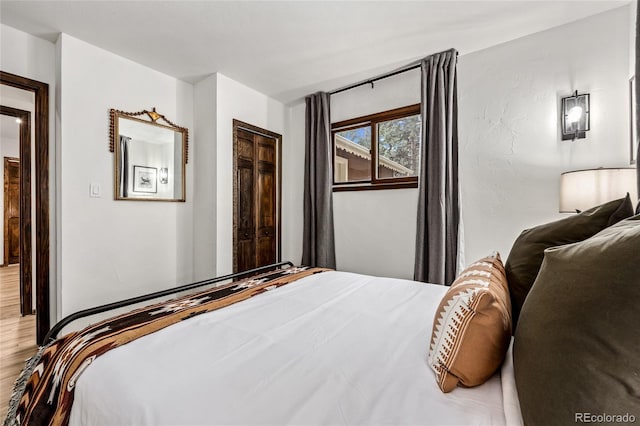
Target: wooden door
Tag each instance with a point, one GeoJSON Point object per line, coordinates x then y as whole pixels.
{"type": "Point", "coordinates": [256, 197]}
{"type": "Point", "coordinates": [11, 211]}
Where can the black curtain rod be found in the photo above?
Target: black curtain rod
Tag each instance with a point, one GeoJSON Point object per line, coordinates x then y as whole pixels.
{"type": "Point", "coordinates": [383, 76]}
{"type": "Point", "coordinates": [380, 77]}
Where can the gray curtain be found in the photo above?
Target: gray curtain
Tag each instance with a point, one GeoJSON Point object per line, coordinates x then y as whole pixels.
{"type": "Point", "coordinates": [124, 164]}
{"type": "Point", "coordinates": [318, 247]}
{"type": "Point", "coordinates": [439, 198]}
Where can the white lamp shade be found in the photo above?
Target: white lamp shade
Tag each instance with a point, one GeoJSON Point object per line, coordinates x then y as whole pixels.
{"type": "Point", "coordinates": [583, 189]}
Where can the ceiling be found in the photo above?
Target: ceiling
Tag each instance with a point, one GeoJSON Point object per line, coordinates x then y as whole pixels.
{"type": "Point", "coordinates": [287, 49]}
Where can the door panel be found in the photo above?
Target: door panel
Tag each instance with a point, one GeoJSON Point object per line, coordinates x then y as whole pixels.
{"type": "Point", "coordinates": [245, 237]}
{"type": "Point", "coordinates": [246, 255]}
{"type": "Point", "coordinates": [266, 197]}
{"type": "Point", "coordinates": [245, 198]}
{"type": "Point", "coordinates": [266, 151]}
{"type": "Point", "coordinates": [266, 251]}
{"type": "Point", "coordinates": [14, 240]}
{"type": "Point", "coordinates": [245, 145]}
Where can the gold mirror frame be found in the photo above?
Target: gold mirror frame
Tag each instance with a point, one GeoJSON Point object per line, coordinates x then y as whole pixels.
{"type": "Point", "coordinates": [151, 118]}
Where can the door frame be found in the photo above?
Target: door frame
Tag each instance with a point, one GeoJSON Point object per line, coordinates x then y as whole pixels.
{"type": "Point", "coordinates": [41, 147]}
{"type": "Point", "coordinates": [24, 159]}
{"type": "Point", "coordinates": [237, 124]}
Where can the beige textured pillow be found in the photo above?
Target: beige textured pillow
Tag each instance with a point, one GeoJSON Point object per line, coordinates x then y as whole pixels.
{"type": "Point", "coordinates": [472, 326]}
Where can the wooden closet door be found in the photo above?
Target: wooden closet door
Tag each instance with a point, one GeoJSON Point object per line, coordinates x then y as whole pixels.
{"type": "Point", "coordinates": [256, 222]}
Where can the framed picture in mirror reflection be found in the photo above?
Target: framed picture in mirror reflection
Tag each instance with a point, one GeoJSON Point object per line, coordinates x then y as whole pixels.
{"type": "Point", "coordinates": [145, 179]}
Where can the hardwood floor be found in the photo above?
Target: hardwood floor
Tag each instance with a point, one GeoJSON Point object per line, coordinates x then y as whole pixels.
{"type": "Point", "coordinates": [17, 334]}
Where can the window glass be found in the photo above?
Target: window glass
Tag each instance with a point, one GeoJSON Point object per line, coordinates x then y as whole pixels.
{"type": "Point", "coordinates": [353, 155]}
{"type": "Point", "coordinates": [378, 151]}
{"type": "Point", "coordinates": [399, 147]}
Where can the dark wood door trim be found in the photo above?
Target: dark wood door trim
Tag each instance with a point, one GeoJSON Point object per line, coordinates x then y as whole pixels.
{"type": "Point", "coordinates": [26, 265]}
{"type": "Point", "coordinates": [41, 145]}
{"type": "Point", "coordinates": [240, 125]}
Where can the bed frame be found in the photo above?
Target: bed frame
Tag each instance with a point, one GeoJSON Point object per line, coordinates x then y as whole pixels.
{"type": "Point", "coordinates": [53, 333]}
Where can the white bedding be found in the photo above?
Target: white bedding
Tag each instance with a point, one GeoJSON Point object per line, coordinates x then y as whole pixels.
{"type": "Point", "coordinates": [334, 348]}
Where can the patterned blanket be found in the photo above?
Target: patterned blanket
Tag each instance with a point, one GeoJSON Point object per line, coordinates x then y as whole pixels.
{"type": "Point", "coordinates": [44, 392]}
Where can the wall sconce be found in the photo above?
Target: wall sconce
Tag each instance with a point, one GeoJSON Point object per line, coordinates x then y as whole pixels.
{"type": "Point", "coordinates": [575, 117]}
{"type": "Point", "coordinates": [582, 189]}
{"type": "Point", "coordinates": [164, 175]}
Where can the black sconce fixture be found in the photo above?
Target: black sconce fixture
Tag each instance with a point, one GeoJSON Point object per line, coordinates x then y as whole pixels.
{"type": "Point", "coordinates": [164, 175]}
{"type": "Point", "coordinates": [575, 117]}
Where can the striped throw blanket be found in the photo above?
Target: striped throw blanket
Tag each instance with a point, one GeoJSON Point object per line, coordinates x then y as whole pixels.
{"type": "Point", "coordinates": [44, 392]}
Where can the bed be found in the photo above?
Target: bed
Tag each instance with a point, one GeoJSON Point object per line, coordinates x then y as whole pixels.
{"type": "Point", "coordinates": [327, 348]}
{"type": "Point", "coordinates": [309, 346]}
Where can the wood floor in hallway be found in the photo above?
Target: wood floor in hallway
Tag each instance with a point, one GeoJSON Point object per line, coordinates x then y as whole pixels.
{"type": "Point", "coordinates": [17, 334]}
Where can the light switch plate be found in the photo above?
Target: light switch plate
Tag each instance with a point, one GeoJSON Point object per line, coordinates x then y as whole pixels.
{"type": "Point", "coordinates": [94, 190]}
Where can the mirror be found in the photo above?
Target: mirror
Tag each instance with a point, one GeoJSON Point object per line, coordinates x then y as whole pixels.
{"type": "Point", "coordinates": [150, 156]}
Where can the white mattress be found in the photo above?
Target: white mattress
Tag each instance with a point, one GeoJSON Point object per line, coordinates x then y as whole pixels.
{"type": "Point", "coordinates": [334, 349]}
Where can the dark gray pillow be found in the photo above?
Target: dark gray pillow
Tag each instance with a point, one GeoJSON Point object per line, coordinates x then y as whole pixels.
{"type": "Point", "coordinates": [577, 347]}
{"type": "Point", "coordinates": [527, 252]}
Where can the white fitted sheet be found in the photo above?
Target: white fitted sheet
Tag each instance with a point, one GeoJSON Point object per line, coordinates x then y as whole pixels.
{"type": "Point", "coordinates": [333, 348]}
{"type": "Point", "coordinates": [512, 413]}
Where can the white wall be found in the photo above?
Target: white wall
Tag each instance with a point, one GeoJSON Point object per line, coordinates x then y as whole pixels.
{"type": "Point", "coordinates": [114, 249]}
{"type": "Point", "coordinates": [236, 101]}
{"type": "Point", "coordinates": [185, 231]}
{"type": "Point", "coordinates": [205, 182]}
{"type": "Point", "coordinates": [511, 155]}
{"type": "Point", "coordinates": [34, 58]}
{"type": "Point", "coordinates": [293, 184]}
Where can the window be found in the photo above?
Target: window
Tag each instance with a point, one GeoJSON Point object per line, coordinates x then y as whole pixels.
{"type": "Point", "coordinates": [377, 151]}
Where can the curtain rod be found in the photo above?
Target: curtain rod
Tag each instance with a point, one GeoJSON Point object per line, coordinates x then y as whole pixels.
{"type": "Point", "coordinates": [380, 77]}
{"type": "Point", "coordinates": [387, 75]}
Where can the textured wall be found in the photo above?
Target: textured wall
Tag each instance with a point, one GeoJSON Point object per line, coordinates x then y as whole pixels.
{"type": "Point", "coordinates": [511, 155]}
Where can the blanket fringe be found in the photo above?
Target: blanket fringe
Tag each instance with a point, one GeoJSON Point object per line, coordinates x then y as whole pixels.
{"type": "Point", "coordinates": [20, 385]}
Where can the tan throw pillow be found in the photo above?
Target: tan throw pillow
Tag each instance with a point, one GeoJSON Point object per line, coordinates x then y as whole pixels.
{"type": "Point", "coordinates": [472, 326]}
